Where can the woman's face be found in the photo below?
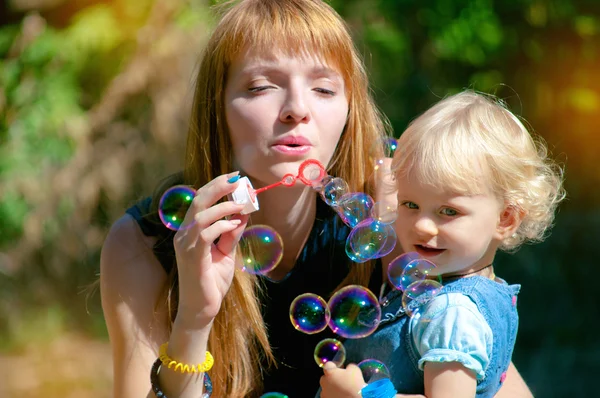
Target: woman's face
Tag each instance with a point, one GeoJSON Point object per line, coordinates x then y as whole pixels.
{"type": "Point", "coordinates": [281, 111]}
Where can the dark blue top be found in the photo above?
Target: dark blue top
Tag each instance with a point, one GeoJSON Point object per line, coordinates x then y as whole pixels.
{"type": "Point", "coordinates": [321, 267]}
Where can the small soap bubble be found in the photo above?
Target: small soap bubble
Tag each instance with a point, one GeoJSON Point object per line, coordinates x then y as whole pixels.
{"type": "Point", "coordinates": [369, 239]}
{"type": "Point", "coordinates": [373, 370]}
{"type": "Point", "coordinates": [391, 144]}
{"type": "Point", "coordinates": [273, 395]}
{"type": "Point", "coordinates": [318, 185]}
{"type": "Point", "coordinates": [333, 191]}
{"type": "Point", "coordinates": [419, 293]}
{"type": "Point", "coordinates": [173, 206]}
{"type": "Point", "coordinates": [417, 270]}
{"type": "Point", "coordinates": [355, 255]}
{"type": "Point", "coordinates": [354, 207]}
{"type": "Point", "coordinates": [309, 313]}
{"type": "Point", "coordinates": [384, 212]}
{"type": "Point", "coordinates": [262, 249]}
{"type": "Point", "coordinates": [396, 268]}
{"type": "Point", "coordinates": [330, 350]}
{"type": "Point", "coordinates": [355, 312]}
{"type": "Point", "coordinates": [390, 241]}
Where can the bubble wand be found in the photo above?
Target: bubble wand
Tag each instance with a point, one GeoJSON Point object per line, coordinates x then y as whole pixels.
{"type": "Point", "coordinates": [310, 172]}
{"type": "Point", "coordinates": [176, 200]}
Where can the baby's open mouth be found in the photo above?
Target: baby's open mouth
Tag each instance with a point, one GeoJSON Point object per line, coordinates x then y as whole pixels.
{"type": "Point", "coordinates": [428, 251]}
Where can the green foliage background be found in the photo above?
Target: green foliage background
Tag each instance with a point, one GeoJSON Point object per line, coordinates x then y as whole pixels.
{"type": "Point", "coordinates": [94, 97]}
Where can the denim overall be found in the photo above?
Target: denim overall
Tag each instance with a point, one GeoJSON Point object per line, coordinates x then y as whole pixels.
{"type": "Point", "coordinates": [392, 342]}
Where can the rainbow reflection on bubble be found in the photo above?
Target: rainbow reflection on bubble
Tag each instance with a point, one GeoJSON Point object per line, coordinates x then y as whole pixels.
{"type": "Point", "coordinates": [330, 350]}
{"type": "Point", "coordinates": [173, 206]}
{"type": "Point", "coordinates": [262, 249]}
{"type": "Point", "coordinates": [319, 185]}
{"type": "Point", "coordinates": [370, 239]}
{"type": "Point", "coordinates": [384, 212]}
{"type": "Point", "coordinates": [355, 312]}
{"type": "Point", "coordinates": [273, 395]}
{"type": "Point", "coordinates": [333, 191]}
{"type": "Point", "coordinates": [417, 270]}
{"type": "Point", "coordinates": [419, 293]}
{"type": "Point", "coordinates": [354, 207]}
{"type": "Point", "coordinates": [391, 145]}
{"type": "Point", "coordinates": [373, 370]}
{"type": "Point", "coordinates": [396, 267]}
{"type": "Point", "coordinates": [309, 313]}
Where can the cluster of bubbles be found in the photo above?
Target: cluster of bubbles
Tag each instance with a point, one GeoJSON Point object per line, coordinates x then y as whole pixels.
{"type": "Point", "coordinates": [352, 312]}
{"type": "Point", "coordinates": [414, 276]}
{"type": "Point", "coordinates": [261, 246]}
{"type": "Point", "coordinates": [372, 235]}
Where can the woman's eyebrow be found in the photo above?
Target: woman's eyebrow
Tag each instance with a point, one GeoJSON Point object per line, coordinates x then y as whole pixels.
{"type": "Point", "coordinates": [323, 70]}
{"type": "Point", "coordinates": [258, 70]}
{"type": "Point", "coordinates": [268, 69]}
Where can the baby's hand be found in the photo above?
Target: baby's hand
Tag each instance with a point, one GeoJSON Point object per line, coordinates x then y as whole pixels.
{"type": "Point", "coordinates": [341, 383]}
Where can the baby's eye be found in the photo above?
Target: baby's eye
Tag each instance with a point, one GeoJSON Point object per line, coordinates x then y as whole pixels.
{"type": "Point", "coordinates": [447, 211]}
{"type": "Point", "coordinates": [410, 205]}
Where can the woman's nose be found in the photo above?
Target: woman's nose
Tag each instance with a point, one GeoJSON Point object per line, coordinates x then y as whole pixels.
{"type": "Point", "coordinates": [426, 227]}
{"type": "Point", "coordinates": [295, 109]}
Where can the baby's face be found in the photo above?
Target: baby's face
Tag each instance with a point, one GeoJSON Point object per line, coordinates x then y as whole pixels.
{"type": "Point", "coordinates": [455, 231]}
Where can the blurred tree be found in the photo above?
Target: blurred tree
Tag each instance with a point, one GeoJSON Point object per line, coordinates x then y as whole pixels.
{"type": "Point", "coordinates": [91, 115]}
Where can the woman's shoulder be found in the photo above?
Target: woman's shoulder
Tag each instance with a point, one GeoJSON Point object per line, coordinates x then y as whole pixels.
{"type": "Point", "coordinates": [127, 258]}
{"type": "Point", "coordinates": [126, 234]}
{"type": "Point", "coordinates": [131, 282]}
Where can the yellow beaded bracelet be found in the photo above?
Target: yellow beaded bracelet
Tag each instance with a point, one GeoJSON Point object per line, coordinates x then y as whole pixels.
{"type": "Point", "coordinates": [182, 367]}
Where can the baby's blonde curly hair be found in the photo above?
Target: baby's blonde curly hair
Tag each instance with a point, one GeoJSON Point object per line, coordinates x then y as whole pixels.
{"type": "Point", "coordinates": [470, 141]}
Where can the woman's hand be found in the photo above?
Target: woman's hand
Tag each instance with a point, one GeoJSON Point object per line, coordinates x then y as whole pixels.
{"type": "Point", "coordinates": [341, 383]}
{"type": "Point", "coordinates": [205, 252]}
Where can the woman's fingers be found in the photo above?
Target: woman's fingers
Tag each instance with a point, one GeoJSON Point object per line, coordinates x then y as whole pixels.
{"type": "Point", "coordinates": [229, 239]}
{"type": "Point", "coordinates": [210, 193]}
{"type": "Point", "coordinates": [207, 196]}
{"type": "Point", "coordinates": [208, 225]}
{"type": "Point", "coordinates": [218, 229]}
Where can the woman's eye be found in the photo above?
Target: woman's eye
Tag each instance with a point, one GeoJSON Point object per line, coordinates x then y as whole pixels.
{"type": "Point", "coordinates": [258, 89]}
{"type": "Point", "coordinates": [446, 211]}
{"type": "Point", "coordinates": [410, 205]}
{"type": "Point", "coordinates": [325, 91]}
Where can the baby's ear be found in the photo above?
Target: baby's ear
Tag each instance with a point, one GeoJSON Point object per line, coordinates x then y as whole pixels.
{"type": "Point", "coordinates": [509, 221]}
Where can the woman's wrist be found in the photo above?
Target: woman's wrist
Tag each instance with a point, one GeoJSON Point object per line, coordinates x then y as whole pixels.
{"type": "Point", "coordinates": [188, 341]}
{"type": "Point", "coordinates": [192, 319]}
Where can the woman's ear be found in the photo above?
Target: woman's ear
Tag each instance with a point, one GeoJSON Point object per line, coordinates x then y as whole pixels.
{"type": "Point", "coordinates": [509, 221]}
